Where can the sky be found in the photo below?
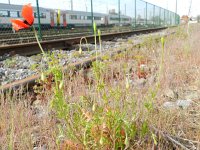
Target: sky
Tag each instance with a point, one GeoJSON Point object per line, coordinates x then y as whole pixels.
{"type": "Point", "coordinates": [127, 6]}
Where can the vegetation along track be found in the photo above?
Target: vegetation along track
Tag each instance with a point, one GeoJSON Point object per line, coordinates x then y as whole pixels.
{"type": "Point", "coordinates": [85, 63]}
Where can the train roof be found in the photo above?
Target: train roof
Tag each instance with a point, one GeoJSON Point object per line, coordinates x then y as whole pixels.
{"type": "Point", "coordinates": [82, 12]}
{"type": "Point", "coordinates": [97, 14]}
{"type": "Point", "coordinates": [17, 7]}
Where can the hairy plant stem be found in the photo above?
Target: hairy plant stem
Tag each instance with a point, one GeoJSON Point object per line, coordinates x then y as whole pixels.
{"type": "Point", "coordinates": [36, 36]}
{"type": "Point", "coordinates": [80, 49]}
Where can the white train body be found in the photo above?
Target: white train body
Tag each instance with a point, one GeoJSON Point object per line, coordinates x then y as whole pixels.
{"type": "Point", "coordinates": [61, 18]}
{"type": "Point", "coordinates": [114, 19]}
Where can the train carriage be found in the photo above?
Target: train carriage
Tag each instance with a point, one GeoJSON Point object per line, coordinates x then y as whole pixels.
{"type": "Point", "coordinates": [114, 19]}
{"type": "Point", "coordinates": [78, 18]}
{"type": "Point", "coordinates": [8, 12]}
{"type": "Point", "coordinates": [60, 18]}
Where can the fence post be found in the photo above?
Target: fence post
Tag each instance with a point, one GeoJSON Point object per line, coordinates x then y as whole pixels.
{"type": "Point", "coordinates": [39, 24]}
{"type": "Point", "coordinates": [135, 14]}
{"type": "Point", "coordinates": [176, 14]}
{"type": "Point", "coordinates": [146, 13]}
{"type": "Point", "coordinates": [92, 16]}
{"type": "Point", "coordinates": [170, 19]}
{"type": "Point", "coordinates": [154, 15]}
{"type": "Point", "coordinates": [164, 18]}
{"type": "Point", "coordinates": [160, 16]}
{"type": "Point", "coordinates": [119, 11]}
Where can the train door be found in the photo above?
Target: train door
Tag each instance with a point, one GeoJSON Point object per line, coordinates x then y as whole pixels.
{"type": "Point", "coordinates": [64, 20]}
{"type": "Point", "coordinates": [58, 17]}
{"type": "Point", "coordinates": [52, 19]}
{"type": "Point", "coordinates": [106, 20]}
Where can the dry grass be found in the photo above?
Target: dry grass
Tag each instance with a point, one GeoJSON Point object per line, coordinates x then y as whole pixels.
{"type": "Point", "coordinates": [110, 107]}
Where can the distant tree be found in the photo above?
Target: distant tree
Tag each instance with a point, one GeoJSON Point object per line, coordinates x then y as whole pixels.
{"type": "Point", "coordinates": [185, 18]}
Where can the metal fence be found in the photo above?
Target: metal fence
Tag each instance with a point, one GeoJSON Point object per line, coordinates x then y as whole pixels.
{"type": "Point", "coordinates": [63, 19]}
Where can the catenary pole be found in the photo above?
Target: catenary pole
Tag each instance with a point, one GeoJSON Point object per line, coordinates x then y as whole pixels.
{"type": "Point", "coordinates": [176, 13]}
{"type": "Point", "coordinates": [119, 11]}
{"type": "Point", "coordinates": [92, 15]}
{"type": "Point", "coordinates": [71, 5]}
{"type": "Point", "coordinates": [135, 13]}
{"type": "Point", "coordinates": [38, 15]}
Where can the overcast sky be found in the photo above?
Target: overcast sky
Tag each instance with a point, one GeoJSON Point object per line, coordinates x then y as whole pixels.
{"type": "Point", "coordinates": [105, 5]}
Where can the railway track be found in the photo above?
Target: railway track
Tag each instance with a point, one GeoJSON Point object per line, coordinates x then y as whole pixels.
{"type": "Point", "coordinates": [84, 63]}
{"type": "Point", "coordinates": [32, 48]}
{"type": "Point", "coordinates": [51, 34]}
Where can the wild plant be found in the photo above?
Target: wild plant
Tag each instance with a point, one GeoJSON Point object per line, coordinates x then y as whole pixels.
{"type": "Point", "coordinates": [107, 115]}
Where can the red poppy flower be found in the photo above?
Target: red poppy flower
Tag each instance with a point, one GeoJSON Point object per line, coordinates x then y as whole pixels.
{"type": "Point", "coordinates": [142, 69]}
{"type": "Point", "coordinates": [27, 14]}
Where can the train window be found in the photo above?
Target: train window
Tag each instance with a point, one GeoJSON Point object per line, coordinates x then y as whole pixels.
{"type": "Point", "coordinates": [97, 18]}
{"type": "Point", "coordinates": [3, 13]}
{"type": "Point", "coordinates": [79, 17]}
{"type": "Point", "coordinates": [20, 14]}
{"type": "Point", "coordinates": [114, 19]}
{"type": "Point", "coordinates": [125, 19]}
{"type": "Point", "coordinates": [14, 14]}
{"type": "Point", "coordinates": [73, 17]}
{"type": "Point", "coordinates": [42, 15]}
{"type": "Point", "coordinates": [35, 15]}
{"type": "Point", "coordinates": [82, 17]}
{"type": "Point", "coordinates": [89, 18]}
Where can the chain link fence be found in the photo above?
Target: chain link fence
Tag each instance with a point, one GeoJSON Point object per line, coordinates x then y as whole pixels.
{"type": "Point", "coordinates": [62, 19]}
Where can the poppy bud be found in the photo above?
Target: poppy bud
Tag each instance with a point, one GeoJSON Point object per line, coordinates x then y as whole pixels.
{"type": "Point", "coordinates": [99, 32]}
{"type": "Point", "coordinates": [93, 107]}
{"type": "Point", "coordinates": [80, 50]}
{"type": "Point", "coordinates": [163, 42]}
{"type": "Point", "coordinates": [126, 142]}
{"type": "Point", "coordinates": [61, 85]}
{"type": "Point", "coordinates": [101, 140]}
{"type": "Point", "coordinates": [95, 27]}
{"type": "Point", "coordinates": [127, 83]}
{"type": "Point", "coordinates": [42, 76]}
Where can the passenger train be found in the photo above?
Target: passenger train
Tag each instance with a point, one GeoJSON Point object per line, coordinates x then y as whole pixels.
{"type": "Point", "coordinates": [61, 18]}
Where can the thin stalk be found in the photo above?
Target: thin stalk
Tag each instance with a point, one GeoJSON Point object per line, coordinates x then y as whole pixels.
{"type": "Point", "coordinates": [80, 49]}
{"type": "Point", "coordinates": [162, 62]}
{"type": "Point", "coordinates": [36, 36]}
{"type": "Point", "coordinates": [95, 40]}
{"type": "Point", "coordinates": [99, 34]}
{"type": "Point", "coordinates": [95, 37]}
{"type": "Point", "coordinates": [10, 147]}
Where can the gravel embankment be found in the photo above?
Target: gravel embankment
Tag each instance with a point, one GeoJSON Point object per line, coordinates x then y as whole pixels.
{"type": "Point", "coordinates": [19, 67]}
